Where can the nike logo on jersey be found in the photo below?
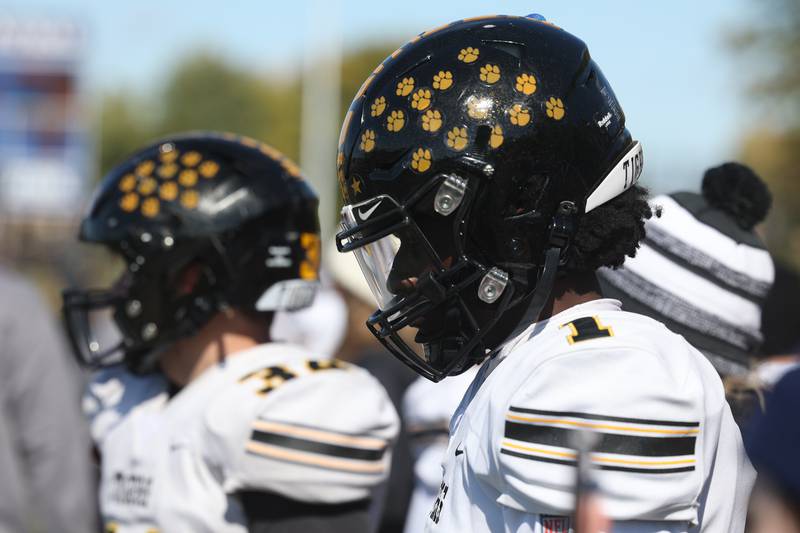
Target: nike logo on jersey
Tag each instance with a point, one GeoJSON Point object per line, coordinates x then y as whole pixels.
{"type": "Point", "coordinates": [459, 451]}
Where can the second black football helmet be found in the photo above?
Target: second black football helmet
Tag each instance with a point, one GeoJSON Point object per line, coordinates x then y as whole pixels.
{"type": "Point", "coordinates": [466, 161]}
{"type": "Point", "coordinates": [230, 208]}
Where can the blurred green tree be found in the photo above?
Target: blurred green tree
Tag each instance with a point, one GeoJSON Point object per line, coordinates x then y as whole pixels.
{"type": "Point", "coordinates": [122, 128]}
{"type": "Point", "coordinates": [770, 50]}
{"type": "Point", "coordinates": [208, 92]}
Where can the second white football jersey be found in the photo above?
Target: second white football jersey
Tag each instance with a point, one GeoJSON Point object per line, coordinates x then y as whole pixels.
{"type": "Point", "coordinates": [427, 410]}
{"type": "Point", "coordinates": [669, 456]}
{"type": "Point", "coordinates": [268, 419]}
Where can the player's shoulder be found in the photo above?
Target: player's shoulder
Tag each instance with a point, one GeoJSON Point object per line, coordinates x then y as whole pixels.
{"type": "Point", "coordinates": [114, 392]}
{"type": "Point", "coordinates": [625, 378]}
{"type": "Point", "coordinates": [279, 373]}
{"type": "Point", "coordinates": [601, 339]}
{"type": "Point", "coordinates": [284, 418]}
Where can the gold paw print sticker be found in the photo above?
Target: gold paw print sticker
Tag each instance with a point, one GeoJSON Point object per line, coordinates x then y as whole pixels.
{"type": "Point", "coordinates": [555, 108]}
{"type": "Point", "coordinates": [526, 84]}
{"type": "Point", "coordinates": [168, 191]}
{"type": "Point", "coordinates": [147, 186]}
{"type": "Point", "coordinates": [150, 207]}
{"type": "Point", "coordinates": [191, 159]}
{"type": "Point", "coordinates": [457, 138]}
{"type": "Point", "coordinates": [168, 154]}
{"type": "Point", "coordinates": [519, 115]}
{"type": "Point", "coordinates": [405, 87]}
{"type": "Point", "coordinates": [208, 169]}
{"type": "Point", "coordinates": [490, 73]}
{"type": "Point", "coordinates": [432, 120]}
{"type": "Point", "coordinates": [468, 54]}
{"type": "Point", "coordinates": [421, 99]}
{"type": "Point", "coordinates": [127, 183]}
{"type": "Point", "coordinates": [396, 120]}
{"type": "Point", "coordinates": [378, 106]}
{"type": "Point", "coordinates": [478, 108]}
{"type": "Point", "coordinates": [367, 141]}
{"type": "Point", "coordinates": [129, 202]}
{"type": "Point", "coordinates": [443, 80]}
{"type": "Point", "coordinates": [145, 168]}
{"type": "Point", "coordinates": [496, 138]}
{"type": "Point", "coordinates": [167, 171]}
{"type": "Point", "coordinates": [421, 160]}
{"type": "Point", "coordinates": [190, 199]}
{"type": "Point", "coordinates": [150, 184]}
{"type": "Point", "coordinates": [188, 177]}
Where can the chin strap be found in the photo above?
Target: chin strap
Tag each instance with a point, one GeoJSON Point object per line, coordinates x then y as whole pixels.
{"type": "Point", "coordinates": [541, 293]}
{"type": "Point", "coordinates": [562, 228]}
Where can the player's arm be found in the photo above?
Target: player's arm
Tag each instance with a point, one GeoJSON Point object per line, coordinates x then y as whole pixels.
{"type": "Point", "coordinates": [316, 450]}
{"type": "Point", "coordinates": [647, 458]}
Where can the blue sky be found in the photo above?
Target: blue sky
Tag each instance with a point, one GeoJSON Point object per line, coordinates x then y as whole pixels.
{"type": "Point", "coordinates": [682, 91]}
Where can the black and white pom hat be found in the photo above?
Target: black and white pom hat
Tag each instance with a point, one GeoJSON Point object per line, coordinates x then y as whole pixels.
{"type": "Point", "coordinates": [701, 269]}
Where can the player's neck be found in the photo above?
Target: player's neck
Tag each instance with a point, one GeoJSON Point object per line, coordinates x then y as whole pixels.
{"type": "Point", "coordinates": [226, 335]}
{"type": "Point", "coordinates": [570, 291]}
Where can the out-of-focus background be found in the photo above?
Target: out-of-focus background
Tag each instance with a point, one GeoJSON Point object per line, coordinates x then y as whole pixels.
{"type": "Point", "coordinates": [85, 82]}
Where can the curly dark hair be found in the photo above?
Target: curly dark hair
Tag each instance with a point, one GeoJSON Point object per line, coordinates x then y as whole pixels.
{"type": "Point", "coordinates": [610, 232]}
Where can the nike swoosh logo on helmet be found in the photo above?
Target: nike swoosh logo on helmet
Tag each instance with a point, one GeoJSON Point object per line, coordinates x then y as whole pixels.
{"type": "Point", "coordinates": [368, 213]}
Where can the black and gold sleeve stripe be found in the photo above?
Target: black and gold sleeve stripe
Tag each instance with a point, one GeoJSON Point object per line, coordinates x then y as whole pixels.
{"type": "Point", "coordinates": [625, 444]}
{"type": "Point", "coordinates": [317, 447]}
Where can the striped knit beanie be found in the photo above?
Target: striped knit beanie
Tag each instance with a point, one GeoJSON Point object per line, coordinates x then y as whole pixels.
{"type": "Point", "coordinates": [701, 269]}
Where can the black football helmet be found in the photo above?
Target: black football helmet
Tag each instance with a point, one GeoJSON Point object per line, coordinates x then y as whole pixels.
{"type": "Point", "coordinates": [466, 162]}
{"type": "Point", "coordinates": [235, 210]}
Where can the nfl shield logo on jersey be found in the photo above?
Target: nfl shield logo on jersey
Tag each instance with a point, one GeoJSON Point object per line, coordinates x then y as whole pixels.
{"type": "Point", "coordinates": [556, 524]}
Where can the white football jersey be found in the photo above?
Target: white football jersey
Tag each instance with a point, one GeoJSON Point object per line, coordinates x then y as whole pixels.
{"type": "Point", "coordinates": [268, 419]}
{"type": "Point", "coordinates": [427, 410]}
{"type": "Point", "coordinates": [669, 456]}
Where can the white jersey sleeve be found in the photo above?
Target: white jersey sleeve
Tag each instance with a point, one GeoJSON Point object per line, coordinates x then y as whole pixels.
{"type": "Point", "coordinates": [657, 433]}
{"type": "Point", "coordinates": [312, 431]}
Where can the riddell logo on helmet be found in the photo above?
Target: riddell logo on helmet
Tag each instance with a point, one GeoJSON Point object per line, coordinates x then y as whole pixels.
{"type": "Point", "coordinates": [604, 121]}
